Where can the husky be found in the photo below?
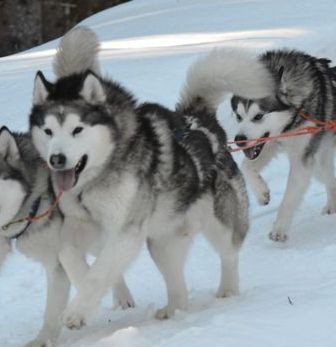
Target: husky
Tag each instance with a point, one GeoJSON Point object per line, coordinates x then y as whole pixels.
{"type": "Point", "coordinates": [27, 191]}
{"type": "Point", "coordinates": [142, 172]}
{"type": "Point", "coordinates": [302, 82]}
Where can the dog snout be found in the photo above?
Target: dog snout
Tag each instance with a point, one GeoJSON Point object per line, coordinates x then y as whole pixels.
{"type": "Point", "coordinates": [57, 161]}
{"type": "Point", "coordinates": [240, 140]}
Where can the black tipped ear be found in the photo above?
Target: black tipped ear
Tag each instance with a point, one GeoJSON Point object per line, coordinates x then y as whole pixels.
{"type": "Point", "coordinates": [92, 90]}
{"type": "Point", "coordinates": [234, 103]}
{"type": "Point", "coordinates": [280, 73]}
{"type": "Point", "coordinates": [8, 145]}
{"type": "Point", "coordinates": [41, 89]}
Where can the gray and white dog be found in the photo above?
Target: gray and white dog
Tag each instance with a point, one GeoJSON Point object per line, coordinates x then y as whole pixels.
{"type": "Point", "coordinates": [143, 172]}
{"type": "Point", "coordinates": [26, 190]}
{"type": "Point", "coordinates": [302, 82]}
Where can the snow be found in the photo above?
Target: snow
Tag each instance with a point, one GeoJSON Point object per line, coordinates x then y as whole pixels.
{"type": "Point", "coordinates": [288, 291]}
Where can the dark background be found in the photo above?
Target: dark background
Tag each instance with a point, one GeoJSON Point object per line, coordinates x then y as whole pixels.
{"type": "Point", "coordinates": [28, 23]}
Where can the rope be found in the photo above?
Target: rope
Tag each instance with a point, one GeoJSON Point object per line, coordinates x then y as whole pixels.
{"type": "Point", "coordinates": [48, 210]}
{"type": "Point", "coordinates": [32, 218]}
{"type": "Point", "coordinates": [328, 125]}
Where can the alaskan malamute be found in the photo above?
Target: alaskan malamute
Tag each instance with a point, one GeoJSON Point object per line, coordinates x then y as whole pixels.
{"type": "Point", "coordinates": [143, 172]}
{"type": "Point", "coordinates": [302, 82]}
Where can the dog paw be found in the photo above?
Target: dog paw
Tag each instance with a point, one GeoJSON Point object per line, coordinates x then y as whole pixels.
{"type": "Point", "coordinates": [260, 189]}
{"type": "Point", "coordinates": [264, 198]}
{"type": "Point", "coordinates": [226, 293]}
{"type": "Point", "coordinates": [39, 342]}
{"type": "Point", "coordinates": [165, 313]}
{"type": "Point", "coordinates": [73, 320]}
{"type": "Point", "coordinates": [125, 301]}
{"type": "Point", "coordinates": [278, 236]}
{"type": "Point", "coordinates": [329, 209]}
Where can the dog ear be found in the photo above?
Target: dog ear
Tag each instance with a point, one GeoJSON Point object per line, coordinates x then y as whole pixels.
{"type": "Point", "coordinates": [41, 89]}
{"type": "Point", "coordinates": [92, 90]}
{"type": "Point", "coordinates": [8, 145]}
{"type": "Point", "coordinates": [234, 103]}
{"type": "Point", "coordinates": [282, 85]}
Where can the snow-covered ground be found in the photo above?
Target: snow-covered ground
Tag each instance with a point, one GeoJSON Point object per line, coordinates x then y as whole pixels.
{"type": "Point", "coordinates": [288, 292]}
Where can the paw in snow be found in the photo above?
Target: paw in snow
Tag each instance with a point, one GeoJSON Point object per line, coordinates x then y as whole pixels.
{"type": "Point", "coordinates": [226, 293]}
{"type": "Point", "coordinates": [39, 342]}
{"type": "Point", "coordinates": [165, 313]}
{"type": "Point", "coordinates": [278, 236]}
{"type": "Point", "coordinates": [73, 320]}
{"type": "Point", "coordinates": [330, 208]}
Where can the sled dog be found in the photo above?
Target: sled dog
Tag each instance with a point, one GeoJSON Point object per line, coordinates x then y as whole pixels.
{"type": "Point", "coordinates": [302, 82]}
{"type": "Point", "coordinates": [26, 190]}
{"type": "Point", "coordinates": [143, 172]}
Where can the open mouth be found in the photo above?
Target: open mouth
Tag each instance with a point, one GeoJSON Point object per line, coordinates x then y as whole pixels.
{"type": "Point", "coordinates": [254, 152]}
{"type": "Point", "coordinates": [67, 179]}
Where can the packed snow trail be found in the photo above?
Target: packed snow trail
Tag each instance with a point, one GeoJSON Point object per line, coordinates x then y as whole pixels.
{"type": "Point", "coordinates": [288, 291]}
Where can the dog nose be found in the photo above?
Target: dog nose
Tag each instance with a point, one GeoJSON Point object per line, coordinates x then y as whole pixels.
{"type": "Point", "coordinates": [241, 138]}
{"type": "Point", "coordinates": [57, 161]}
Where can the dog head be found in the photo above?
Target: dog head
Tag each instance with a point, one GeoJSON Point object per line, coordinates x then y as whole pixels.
{"type": "Point", "coordinates": [13, 186]}
{"type": "Point", "coordinates": [296, 84]}
{"type": "Point", "coordinates": [73, 128]}
{"type": "Point", "coordinates": [258, 119]}
{"type": "Point", "coordinates": [295, 75]}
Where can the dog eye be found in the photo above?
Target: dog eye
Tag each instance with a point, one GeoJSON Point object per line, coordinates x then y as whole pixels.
{"type": "Point", "coordinates": [257, 117]}
{"type": "Point", "coordinates": [77, 130]}
{"type": "Point", "coordinates": [239, 117]}
{"type": "Point", "coordinates": [48, 132]}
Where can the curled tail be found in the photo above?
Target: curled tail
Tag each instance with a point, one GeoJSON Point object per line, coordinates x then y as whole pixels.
{"type": "Point", "coordinates": [77, 53]}
{"type": "Point", "coordinates": [208, 81]}
{"type": "Point", "coordinates": [224, 71]}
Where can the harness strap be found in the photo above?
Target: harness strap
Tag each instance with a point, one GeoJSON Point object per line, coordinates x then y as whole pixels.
{"type": "Point", "coordinates": [328, 125]}
{"type": "Point", "coordinates": [32, 213]}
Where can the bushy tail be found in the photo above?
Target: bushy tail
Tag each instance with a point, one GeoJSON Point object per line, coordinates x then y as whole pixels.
{"type": "Point", "coordinates": [225, 71]}
{"type": "Point", "coordinates": [77, 53]}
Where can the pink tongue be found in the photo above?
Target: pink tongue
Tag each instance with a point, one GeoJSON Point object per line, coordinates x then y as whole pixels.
{"type": "Point", "coordinates": [65, 180]}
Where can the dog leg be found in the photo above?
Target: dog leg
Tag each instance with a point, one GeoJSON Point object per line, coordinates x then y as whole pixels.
{"type": "Point", "coordinates": [76, 267]}
{"type": "Point", "coordinates": [73, 258]}
{"type": "Point", "coordinates": [58, 288]}
{"type": "Point", "coordinates": [74, 263]}
{"type": "Point", "coordinates": [220, 237]}
{"type": "Point", "coordinates": [118, 252]}
{"type": "Point", "coordinates": [169, 254]}
{"type": "Point", "coordinates": [251, 170]}
{"type": "Point", "coordinates": [297, 184]}
{"type": "Point", "coordinates": [324, 172]}
{"type": "Point", "coordinates": [5, 249]}
{"type": "Point", "coordinates": [122, 296]}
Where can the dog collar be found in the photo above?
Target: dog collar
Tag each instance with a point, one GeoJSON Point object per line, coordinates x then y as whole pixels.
{"type": "Point", "coordinates": [295, 122]}
{"type": "Point", "coordinates": [32, 213]}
